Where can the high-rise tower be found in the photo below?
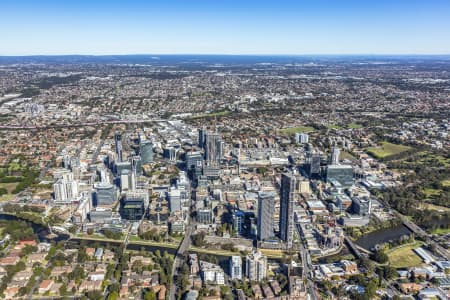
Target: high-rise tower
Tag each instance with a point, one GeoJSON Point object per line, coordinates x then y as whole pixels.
{"type": "Point", "coordinates": [289, 189]}
{"type": "Point", "coordinates": [118, 142]}
{"type": "Point", "coordinates": [335, 152]}
{"type": "Point", "coordinates": [266, 204]}
{"type": "Point", "coordinates": [213, 148]}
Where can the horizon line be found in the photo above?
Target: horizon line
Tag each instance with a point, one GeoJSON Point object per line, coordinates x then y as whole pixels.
{"type": "Point", "coordinates": [230, 54]}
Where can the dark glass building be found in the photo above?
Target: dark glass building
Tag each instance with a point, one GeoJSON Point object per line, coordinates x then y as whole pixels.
{"type": "Point", "coordinates": [314, 165]}
{"type": "Point", "coordinates": [132, 208]}
{"type": "Point", "coordinates": [289, 189]}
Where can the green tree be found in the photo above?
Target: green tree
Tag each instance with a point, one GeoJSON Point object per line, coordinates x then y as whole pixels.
{"type": "Point", "coordinates": [371, 288]}
{"type": "Point", "coordinates": [149, 295]}
{"type": "Point", "coordinates": [113, 296]}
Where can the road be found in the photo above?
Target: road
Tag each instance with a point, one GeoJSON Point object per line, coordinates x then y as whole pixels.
{"type": "Point", "coordinates": [306, 265]}
{"type": "Point", "coordinates": [184, 246]}
{"type": "Point", "coordinates": [178, 261]}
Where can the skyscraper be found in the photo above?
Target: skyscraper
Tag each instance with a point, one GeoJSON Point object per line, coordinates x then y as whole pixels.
{"type": "Point", "coordinates": [266, 204]}
{"type": "Point", "coordinates": [213, 148]}
{"type": "Point", "coordinates": [335, 152]}
{"type": "Point", "coordinates": [213, 154]}
{"type": "Point", "coordinates": [65, 188]}
{"type": "Point", "coordinates": [136, 163]}
{"type": "Point", "coordinates": [201, 137]}
{"type": "Point", "coordinates": [118, 142]}
{"type": "Point", "coordinates": [288, 191]}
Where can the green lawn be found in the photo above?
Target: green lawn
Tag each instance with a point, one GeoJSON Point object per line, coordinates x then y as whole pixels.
{"type": "Point", "coordinates": [404, 256]}
{"type": "Point", "coordinates": [354, 126]}
{"type": "Point", "coordinates": [333, 126]}
{"type": "Point", "coordinates": [387, 149]}
{"type": "Point", "coordinates": [7, 197]}
{"type": "Point", "coordinates": [294, 130]}
{"type": "Point", "coordinates": [430, 193]}
{"type": "Point", "coordinates": [138, 241]}
{"type": "Point", "coordinates": [441, 231]}
{"type": "Point", "coordinates": [274, 253]}
{"type": "Point", "coordinates": [213, 251]}
{"type": "Point", "coordinates": [443, 160]}
{"type": "Point", "coordinates": [446, 183]}
{"type": "Point", "coordinates": [431, 206]}
{"type": "Point", "coordinates": [9, 186]}
{"type": "Point", "coordinates": [346, 155]}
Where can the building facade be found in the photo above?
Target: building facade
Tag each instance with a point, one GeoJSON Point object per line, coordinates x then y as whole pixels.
{"type": "Point", "coordinates": [266, 204]}
{"type": "Point", "coordinates": [236, 267]}
{"type": "Point", "coordinates": [105, 194]}
{"type": "Point", "coordinates": [288, 192]}
{"type": "Point", "coordinates": [256, 266]}
{"type": "Point", "coordinates": [146, 151]}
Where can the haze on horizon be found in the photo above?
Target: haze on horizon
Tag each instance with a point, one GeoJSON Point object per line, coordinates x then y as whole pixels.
{"type": "Point", "coordinates": [51, 27]}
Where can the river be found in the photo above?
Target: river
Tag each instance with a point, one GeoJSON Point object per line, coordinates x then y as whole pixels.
{"type": "Point", "coordinates": [41, 231]}
{"type": "Point", "coordinates": [369, 240]}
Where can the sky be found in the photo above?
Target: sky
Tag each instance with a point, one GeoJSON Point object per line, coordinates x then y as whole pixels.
{"type": "Point", "coordinates": [53, 27]}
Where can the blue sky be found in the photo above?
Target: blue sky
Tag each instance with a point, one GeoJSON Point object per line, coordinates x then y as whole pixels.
{"type": "Point", "coordinates": [224, 27]}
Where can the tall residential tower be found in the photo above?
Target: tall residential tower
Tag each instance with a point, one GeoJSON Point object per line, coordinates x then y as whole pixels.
{"type": "Point", "coordinates": [266, 204]}
{"type": "Point", "coordinates": [289, 191]}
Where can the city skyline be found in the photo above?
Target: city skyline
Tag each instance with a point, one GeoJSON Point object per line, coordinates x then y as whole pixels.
{"type": "Point", "coordinates": [204, 27]}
